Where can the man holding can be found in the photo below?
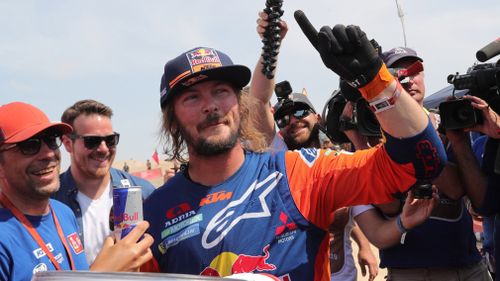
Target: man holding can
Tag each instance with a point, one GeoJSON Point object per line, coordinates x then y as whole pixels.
{"type": "Point", "coordinates": [36, 232]}
{"type": "Point", "coordinates": [87, 185]}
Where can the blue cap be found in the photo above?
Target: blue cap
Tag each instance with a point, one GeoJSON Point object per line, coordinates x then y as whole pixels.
{"type": "Point", "coordinates": [393, 55]}
{"type": "Point", "coordinates": [197, 65]}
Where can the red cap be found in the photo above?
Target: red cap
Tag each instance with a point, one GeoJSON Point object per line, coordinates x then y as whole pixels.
{"type": "Point", "coordinates": [20, 121]}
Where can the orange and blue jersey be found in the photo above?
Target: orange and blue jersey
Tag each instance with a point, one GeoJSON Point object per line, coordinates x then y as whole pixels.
{"type": "Point", "coordinates": [272, 215]}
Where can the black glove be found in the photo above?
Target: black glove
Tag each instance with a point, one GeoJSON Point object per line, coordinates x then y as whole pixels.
{"type": "Point", "coordinates": [350, 93]}
{"type": "Point", "coordinates": [348, 52]}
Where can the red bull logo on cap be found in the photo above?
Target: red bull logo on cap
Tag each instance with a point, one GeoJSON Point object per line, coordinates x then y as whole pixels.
{"type": "Point", "coordinates": [202, 59]}
{"type": "Point", "coordinates": [228, 263]}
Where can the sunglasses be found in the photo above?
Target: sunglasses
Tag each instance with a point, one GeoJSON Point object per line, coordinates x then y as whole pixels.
{"type": "Point", "coordinates": [33, 145]}
{"type": "Point", "coordinates": [298, 114]}
{"type": "Point", "coordinates": [93, 142]}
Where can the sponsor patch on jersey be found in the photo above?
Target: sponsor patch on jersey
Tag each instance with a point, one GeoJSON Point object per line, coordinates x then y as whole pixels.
{"type": "Point", "coordinates": [59, 258]}
{"type": "Point", "coordinates": [309, 155]}
{"type": "Point", "coordinates": [178, 210]}
{"type": "Point", "coordinates": [177, 227]}
{"type": "Point", "coordinates": [216, 197]}
{"type": "Point", "coordinates": [75, 242]}
{"type": "Point", "coordinates": [40, 267]}
{"type": "Point", "coordinates": [285, 232]}
{"type": "Point", "coordinates": [186, 233]}
{"type": "Point", "coordinates": [180, 218]}
{"type": "Point", "coordinates": [39, 253]}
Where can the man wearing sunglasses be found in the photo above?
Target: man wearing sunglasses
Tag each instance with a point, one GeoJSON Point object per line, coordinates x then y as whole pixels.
{"type": "Point", "coordinates": [86, 187]}
{"type": "Point", "coordinates": [36, 232]}
{"type": "Point", "coordinates": [297, 121]}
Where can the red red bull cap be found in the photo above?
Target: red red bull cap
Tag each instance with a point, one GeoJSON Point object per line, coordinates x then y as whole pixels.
{"type": "Point", "coordinates": [197, 65]}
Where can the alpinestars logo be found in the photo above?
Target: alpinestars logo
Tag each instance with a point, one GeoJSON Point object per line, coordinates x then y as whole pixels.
{"type": "Point", "coordinates": [222, 223]}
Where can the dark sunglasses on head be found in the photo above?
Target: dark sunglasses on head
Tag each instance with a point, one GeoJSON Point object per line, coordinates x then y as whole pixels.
{"type": "Point", "coordinates": [298, 114]}
{"type": "Point", "coordinates": [33, 145]}
{"type": "Point", "coordinates": [93, 142]}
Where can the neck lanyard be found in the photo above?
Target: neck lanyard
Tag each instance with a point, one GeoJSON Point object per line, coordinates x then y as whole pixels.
{"type": "Point", "coordinates": [29, 227]}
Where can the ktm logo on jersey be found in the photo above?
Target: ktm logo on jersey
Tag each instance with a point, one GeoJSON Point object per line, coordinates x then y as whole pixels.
{"type": "Point", "coordinates": [216, 197]}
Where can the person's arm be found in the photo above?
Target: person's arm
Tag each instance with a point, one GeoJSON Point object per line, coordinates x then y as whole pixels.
{"type": "Point", "coordinates": [384, 233]}
{"type": "Point", "coordinates": [410, 138]}
{"type": "Point", "coordinates": [468, 173]}
{"type": "Point", "coordinates": [366, 258]}
{"type": "Point", "coordinates": [262, 88]}
{"type": "Point", "coordinates": [127, 254]}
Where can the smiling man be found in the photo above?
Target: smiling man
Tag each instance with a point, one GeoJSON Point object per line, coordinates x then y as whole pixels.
{"type": "Point", "coordinates": [234, 209]}
{"type": "Point", "coordinates": [86, 187]}
{"type": "Point", "coordinates": [37, 233]}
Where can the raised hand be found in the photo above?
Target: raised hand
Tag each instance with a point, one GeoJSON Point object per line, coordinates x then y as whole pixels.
{"type": "Point", "coordinates": [345, 50]}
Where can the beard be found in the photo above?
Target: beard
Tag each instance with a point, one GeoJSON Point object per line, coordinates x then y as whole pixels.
{"type": "Point", "coordinates": [205, 147]}
{"type": "Point", "coordinates": [293, 144]}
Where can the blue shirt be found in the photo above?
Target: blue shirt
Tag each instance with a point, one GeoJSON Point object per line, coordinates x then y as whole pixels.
{"type": "Point", "coordinates": [20, 254]}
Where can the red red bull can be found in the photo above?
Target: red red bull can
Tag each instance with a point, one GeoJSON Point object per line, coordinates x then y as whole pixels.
{"type": "Point", "coordinates": [127, 209]}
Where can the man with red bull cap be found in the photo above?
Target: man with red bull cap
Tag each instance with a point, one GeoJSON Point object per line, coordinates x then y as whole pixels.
{"type": "Point", "coordinates": [39, 233]}
{"type": "Point", "coordinates": [232, 202]}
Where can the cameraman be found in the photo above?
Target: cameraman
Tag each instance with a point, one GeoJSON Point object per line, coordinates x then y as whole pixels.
{"type": "Point", "coordinates": [484, 192]}
{"type": "Point", "coordinates": [443, 247]}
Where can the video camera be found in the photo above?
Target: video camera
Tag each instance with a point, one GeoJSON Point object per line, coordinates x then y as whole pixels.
{"type": "Point", "coordinates": [363, 117]}
{"type": "Point", "coordinates": [481, 80]}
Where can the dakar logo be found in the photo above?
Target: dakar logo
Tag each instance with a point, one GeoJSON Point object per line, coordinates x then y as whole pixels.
{"type": "Point", "coordinates": [222, 223]}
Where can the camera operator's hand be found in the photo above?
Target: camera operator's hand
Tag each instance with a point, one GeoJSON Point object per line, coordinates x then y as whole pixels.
{"type": "Point", "coordinates": [491, 123]}
{"type": "Point", "coordinates": [416, 211]}
{"type": "Point", "coordinates": [348, 52]}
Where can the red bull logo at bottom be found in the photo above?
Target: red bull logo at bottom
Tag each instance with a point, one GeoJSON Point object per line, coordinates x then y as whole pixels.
{"type": "Point", "coordinates": [228, 263]}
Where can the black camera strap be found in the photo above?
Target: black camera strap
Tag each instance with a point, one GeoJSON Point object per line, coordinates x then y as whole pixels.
{"type": "Point", "coordinates": [497, 160]}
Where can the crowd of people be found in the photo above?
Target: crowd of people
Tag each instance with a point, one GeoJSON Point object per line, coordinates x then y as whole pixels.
{"type": "Point", "coordinates": [254, 188]}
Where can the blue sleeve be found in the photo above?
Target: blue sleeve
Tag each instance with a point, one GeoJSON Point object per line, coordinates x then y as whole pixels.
{"type": "Point", "coordinates": [491, 201]}
{"type": "Point", "coordinates": [425, 151]}
{"type": "Point", "coordinates": [5, 265]}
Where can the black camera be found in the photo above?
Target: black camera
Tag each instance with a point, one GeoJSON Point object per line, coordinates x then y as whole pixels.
{"type": "Point", "coordinates": [283, 90]}
{"type": "Point", "coordinates": [422, 190]}
{"type": "Point", "coordinates": [481, 80]}
{"type": "Point", "coordinates": [459, 114]}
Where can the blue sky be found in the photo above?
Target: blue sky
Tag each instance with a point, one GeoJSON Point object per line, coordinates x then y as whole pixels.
{"type": "Point", "coordinates": [53, 53]}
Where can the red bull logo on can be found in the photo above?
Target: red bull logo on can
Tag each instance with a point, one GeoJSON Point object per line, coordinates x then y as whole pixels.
{"type": "Point", "coordinates": [228, 263]}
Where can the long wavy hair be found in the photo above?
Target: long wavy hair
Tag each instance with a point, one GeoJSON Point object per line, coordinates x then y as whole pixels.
{"type": "Point", "coordinates": [175, 146]}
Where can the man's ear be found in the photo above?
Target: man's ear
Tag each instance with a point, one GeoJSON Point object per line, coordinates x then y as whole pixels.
{"type": "Point", "coordinates": [318, 116]}
{"type": "Point", "coordinates": [68, 143]}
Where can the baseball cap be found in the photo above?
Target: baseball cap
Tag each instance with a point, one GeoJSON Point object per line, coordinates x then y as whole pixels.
{"type": "Point", "coordinates": [197, 65]}
{"type": "Point", "coordinates": [20, 121]}
{"type": "Point", "coordinates": [398, 53]}
{"type": "Point", "coordinates": [297, 100]}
